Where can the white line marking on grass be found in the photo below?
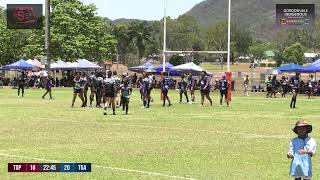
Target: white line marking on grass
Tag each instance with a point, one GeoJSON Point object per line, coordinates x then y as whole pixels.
{"type": "Point", "coordinates": [103, 167]}
{"type": "Point", "coordinates": [248, 135]}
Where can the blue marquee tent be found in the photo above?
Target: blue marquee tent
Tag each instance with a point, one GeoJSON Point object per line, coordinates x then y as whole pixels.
{"type": "Point", "coordinates": [19, 65]}
{"type": "Point", "coordinates": [141, 68]}
{"type": "Point", "coordinates": [290, 68]}
{"type": "Point", "coordinates": [310, 69]}
{"type": "Point", "coordinates": [168, 68]}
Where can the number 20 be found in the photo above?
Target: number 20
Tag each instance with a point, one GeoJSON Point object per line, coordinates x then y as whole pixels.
{"type": "Point", "coordinates": [66, 167]}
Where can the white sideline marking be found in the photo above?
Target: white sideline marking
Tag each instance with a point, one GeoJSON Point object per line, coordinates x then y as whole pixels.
{"type": "Point", "coordinates": [249, 135]}
{"type": "Point", "coordinates": [103, 167]}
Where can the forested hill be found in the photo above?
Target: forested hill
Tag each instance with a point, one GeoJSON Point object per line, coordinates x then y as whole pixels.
{"type": "Point", "coordinates": [259, 15]}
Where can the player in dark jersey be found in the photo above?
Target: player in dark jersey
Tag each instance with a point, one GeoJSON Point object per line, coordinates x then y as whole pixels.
{"type": "Point", "coordinates": [92, 82]}
{"type": "Point", "coordinates": [269, 87]}
{"type": "Point", "coordinates": [126, 91]}
{"type": "Point", "coordinates": [165, 84]}
{"type": "Point", "coordinates": [85, 85]}
{"type": "Point", "coordinates": [147, 87]}
{"type": "Point", "coordinates": [77, 89]}
{"type": "Point", "coordinates": [205, 87]}
{"type": "Point", "coordinates": [117, 82]}
{"type": "Point", "coordinates": [183, 86]}
{"type": "Point", "coordinates": [110, 93]}
{"type": "Point", "coordinates": [223, 86]}
{"type": "Point", "coordinates": [295, 83]}
{"type": "Point", "coordinates": [99, 90]}
{"type": "Point", "coordinates": [141, 88]}
{"type": "Point", "coordinates": [192, 86]}
{"type": "Point", "coordinates": [274, 86]}
{"type": "Point", "coordinates": [22, 81]}
{"type": "Point", "coordinates": [284, 86]}
{"type": "Point", "coordinates": [48, 85]}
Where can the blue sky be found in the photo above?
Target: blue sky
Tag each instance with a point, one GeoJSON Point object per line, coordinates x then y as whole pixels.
{"type": "Point", "coordinates": [134, 9]}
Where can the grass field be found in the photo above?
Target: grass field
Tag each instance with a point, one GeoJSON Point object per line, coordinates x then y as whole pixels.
{"type": "Point", "coordinates": [245, 141]}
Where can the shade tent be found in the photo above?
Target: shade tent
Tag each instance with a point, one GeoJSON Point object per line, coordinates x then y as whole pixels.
{"type": "Point", "coordinates": [168, 68]}
{"type": "Point", "coordinates": [188, 68]}
{"type": "Point", "coordinates": [35, 63]}
{"type": "Point", "coordinates": [141, 68]}
{"type": "Point", "coordinates": [150, 70]}
{"type": "Point", "coordinates": [317, 62]}
{"type": "Point", "coordinates": [290, 68]}
{"type": "Point", "coordinates": [19, 65]}
{"type": "Point", "coordinates": [310, 69]}
{"type": "Point", "coordinates": [85, 64]}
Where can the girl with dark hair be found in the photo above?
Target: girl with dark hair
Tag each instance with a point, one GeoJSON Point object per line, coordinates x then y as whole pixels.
{"type": "Point", "coordinates": [77, 89]}
{"type": "Point", "coordinates": [205, 87]}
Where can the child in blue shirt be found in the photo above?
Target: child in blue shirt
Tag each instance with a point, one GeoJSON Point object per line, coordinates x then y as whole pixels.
{"type": "Point", "coordinates": [301, 149]}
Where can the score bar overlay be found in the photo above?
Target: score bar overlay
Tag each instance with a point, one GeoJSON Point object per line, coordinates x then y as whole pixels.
{"type": "Point", "coordinates": [49, 167]}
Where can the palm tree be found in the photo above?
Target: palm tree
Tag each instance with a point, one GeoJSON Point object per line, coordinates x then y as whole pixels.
{"type": "Point", "coordinates": [139, 33]}
{"type": "Point", "coordinates": [120, 32]}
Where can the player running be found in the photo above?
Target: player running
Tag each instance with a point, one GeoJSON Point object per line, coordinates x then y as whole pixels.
{"type": "Point", "coordinates": [125, 91]}
{"type": "Point", "coordinates": [110, 91]}
{"type": "Point", "coordinates": [48, 85]}
{"type": "Point", "coordinates": [117, 82]}
{"type": "Point", "coordinates": [191, 87]}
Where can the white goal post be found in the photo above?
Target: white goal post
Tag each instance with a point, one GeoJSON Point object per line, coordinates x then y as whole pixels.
{"type": "Point", "coordinates": [207, 52]}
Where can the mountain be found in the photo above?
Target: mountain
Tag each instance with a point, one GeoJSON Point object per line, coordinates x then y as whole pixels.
{"type": "Point", "coordinates": [125, 21]}
{"type": "Point", "coordinates": [257, 15]}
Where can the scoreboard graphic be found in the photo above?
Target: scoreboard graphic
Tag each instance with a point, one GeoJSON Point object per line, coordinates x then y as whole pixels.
{"type": "Point", "coordinates": [49, 167]}
{"type": "Point", "coordinates": [24, 16]}
{"type": "Point", "coordinates": [295, 15]}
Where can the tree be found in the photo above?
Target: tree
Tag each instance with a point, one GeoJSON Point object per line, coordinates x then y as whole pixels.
{"type": "Point", "coordinates": [258, 50]}
{"type": "Point", "coordinates": [294, 54]}
{"type": "Point", "coordinates": [139, 33]}
{"type": "Point", "coordinates": [11, 41]}
{"type": "Point", "coordinates": [176, 60]}
{"type": "Point", "coordinates": [183, 33]}
{"type": "Point", "coordinates": [120, 32]}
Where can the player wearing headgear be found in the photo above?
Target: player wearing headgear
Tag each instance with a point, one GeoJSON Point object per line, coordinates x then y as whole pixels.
{"type": "Point", "coordinates": [22, 81]}
{"type": "Point", "coordinates": [92, 82]}
{"type": "Point", "coordinates": [78, 89]}
{"type": "Point", "coordinates": [117, 82]}
{"type": "Point", "coordinates": [165, 84]}
{"type": "Point", "coordinates": [205, 87]}
{"type": "Point", "coordinates": [295, 83]}
{"type": "Point", "coordinates": [269, 87]}
{"type": "Point", "coordinates": [48, 85]}
{"type": "Point", "coordinates": [110, 91]}
{"type": "Point", "coordinates": [183, 85]}
{"type": "Point", "coordinates": [192, 86]}
{"type": "Point", "coordinates": [125, 91]}
{"type": "Point", "coordinates": [223, 86]}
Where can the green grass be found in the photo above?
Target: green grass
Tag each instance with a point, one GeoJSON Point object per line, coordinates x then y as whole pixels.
{"type": "Point", "coordinates": [248, 140]}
